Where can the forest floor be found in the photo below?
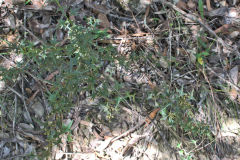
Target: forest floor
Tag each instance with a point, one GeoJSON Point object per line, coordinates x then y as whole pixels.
{"type": "Point", "coordinates": [120, 79]}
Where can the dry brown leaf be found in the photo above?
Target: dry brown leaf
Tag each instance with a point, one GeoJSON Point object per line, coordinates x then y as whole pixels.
{"type": "Point", "coordinates": [139, 34]}
{"type": "Point", "coordinates": [191, 5]}
{"type": "Point", "coordinates": [38, 3]}
{"type": "Point", "coordinates": [182, 5]}
{"type": "Point", "coordinates": [223, 29]}
{"type": "Point", "coordinates": [195, 30]}
{"type": "Point", "coordinates": [28, 90]}
{"type": "Point", "coordinates": [152, 115]}
{"type": "Point", "coordinates": [134, 46]}
{"type": "Point", "coordinates": [151, 84]}
{"type": "Point", "coordinates": [10, 38]}
{"type": "Point", "coordinates": [103, 20]}
{"type": "Point", "coordinates": [233, 94]}
{"type": "Point", "coordinates": [165, 51]}
{"type": "Point", "coordinates": [49, 77]}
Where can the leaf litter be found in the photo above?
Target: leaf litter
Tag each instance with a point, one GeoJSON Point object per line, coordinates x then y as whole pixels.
{"type": "Point", "coordinates": [170, 36]}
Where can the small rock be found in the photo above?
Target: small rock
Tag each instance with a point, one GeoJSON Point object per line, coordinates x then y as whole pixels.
{"type": "Point", "coordinates": [38, 109]}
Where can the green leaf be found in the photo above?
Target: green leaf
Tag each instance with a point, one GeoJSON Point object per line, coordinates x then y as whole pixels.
{"type": "Point", "coordinates": [179, 145]}
{"type": "Point", "coordinates": [200, 7]}
{"type": "Point", "coordinates": [67, 127]}
{"type": "Point", "coordinates": [181, 152]}
{"type": "Point", "coordinates": [28, 1]}
{"type": "Point", "coordinates": [200, 60]}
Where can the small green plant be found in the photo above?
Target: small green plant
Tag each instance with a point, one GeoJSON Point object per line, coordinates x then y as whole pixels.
{"type": "Point", "coordinates": [79, 64]}
{"type": "Point", "coordinates": [178, 111]}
